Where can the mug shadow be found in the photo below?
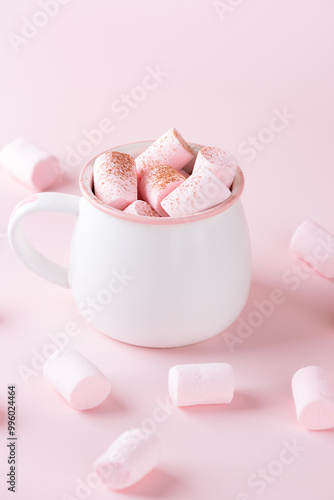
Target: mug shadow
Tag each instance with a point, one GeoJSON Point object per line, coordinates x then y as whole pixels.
{"type": "Point", "coordinates": [295, 320]}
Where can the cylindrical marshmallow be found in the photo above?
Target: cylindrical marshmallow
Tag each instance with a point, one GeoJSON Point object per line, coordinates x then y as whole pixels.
{"type": "Point", "coordinates": [219, 161]}
{"type": "Point", "coordinates": [201, 384]}
{"type": "Point", "coordinates": [313, 393]}
{"type": "Point", "coordinates": [184, 173]}
{"type": "Point", "coordinates": [202, 190]}
{"type": "Point", "coordinates": [195, 148]}
{"type": "Point", "coordinates": [30, 164]}
{"type": "Point", "coordinates": [170, 149]}
{"type": "Point", "coordinates": [133, 455]}
{"type": "Point", "coordinates": [142, 208]}
{"type": "Point", "coordinates": [115, 179]}
{"type": "Point", "coordinates": [315, 245]}
{"type": "Point", "coordinates": [157, 182]}
{"type": "Point", "coordinates": [76, 378]}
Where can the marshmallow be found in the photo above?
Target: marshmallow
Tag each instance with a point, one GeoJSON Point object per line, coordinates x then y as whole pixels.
{"type": "Point", "coordinates": [76, 378]}
{"type": "Point", "coordinates": [219, 161]}
{"type": "Point", "coordinates": [140, 207]}
{"type": "Point", "coordinates": [133, 455]}
{"type": "Point", "coordinates": [115, 179]}
{"type": "Point", "coordinates": [157, 182]}
{"type": "Point", "coordinates": [190, 165]}
{"type": "Point", "coordinates": [202, 190]}
{"type": "Point", "coordinates": [200, 384]}
{"type": "Point", "coordinates": [170, 149]}
{"type": "Point", "coordinates": [315, 245]}
{"type": "Point", "coordinates": [184, 173]}
{"type": "Point", "coordinates": [30, 164]}
{"type": "Point", "coordinates": [313, 393]}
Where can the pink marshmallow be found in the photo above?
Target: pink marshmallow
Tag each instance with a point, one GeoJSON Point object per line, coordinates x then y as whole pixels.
{"type": "Point", "coordinates": [313, 393]}
{"type": "Point", "coordinates": [157, 182]}
{"type": "Point", "coordinates": [202, 190]}
{"type": "Point", "coordinates": [184, 173]}
{"type": "Point", "coordinates": [30, 164]}
{"type": "Point", "coordinates": [200, 384]}
{"type": "Point", "coordinates": [315, 245]}
{"type": "Point", "coordinates": [190, 165]}
{"type": "Point", "coordinates": [133, 455]}
{"type": "Point", "coordinates": [76, 378]}
{"type": "Point", "coordinates": [219, 161]}
{"type": "Point", "coordinates": [115, 179]}
{"type": "Point", "coordinates": [142, 208]}
{"type": "Point", "coordinates": [170, 149]}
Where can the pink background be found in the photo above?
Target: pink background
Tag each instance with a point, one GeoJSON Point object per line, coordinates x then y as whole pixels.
{"type": "Point", "coordinates": [226, 76]}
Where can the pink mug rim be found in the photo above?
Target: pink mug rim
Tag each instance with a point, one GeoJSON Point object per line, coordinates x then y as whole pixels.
{"type": "Point", "coordinates": [86, 181]}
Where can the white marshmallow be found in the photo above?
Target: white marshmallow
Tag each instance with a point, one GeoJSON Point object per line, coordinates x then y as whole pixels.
{"type": "Point", "coordinates": [313, 393]}
{"type": "Point", "coordinates": [200, 384]}
{"type": "Point", "coordinates": [30, 164]}
{"type": "Point", "coordinates": [315, 245]}
{"type": "Point", "coordinates": [133, 455]}
{"type": "Point", "coordinates": [76, 378]}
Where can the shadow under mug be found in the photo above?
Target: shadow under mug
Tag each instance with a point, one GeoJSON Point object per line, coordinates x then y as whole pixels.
{"type": "Point", "coordinates": [147, 281]}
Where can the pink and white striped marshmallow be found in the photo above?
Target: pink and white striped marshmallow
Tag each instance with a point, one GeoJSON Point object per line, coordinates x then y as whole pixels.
{"type": "Point", "coordinates": [219, 161]}
{"type": "Point", "coordinates": [128, 459]}
{"type": "Point", "coordinates": [115, 179]}
{"type": "Point", "coordinates": [313, 393]}
{"type": "Point", "coordinates": [201, 191]}
{"type": "Point", "coordinates": [170, 149]}
{"type": "Point", "coordinates": [199, 384]}
{"type": "Point", "coordinates": [157, 182]}
{"type": "Point", "coordinates": [30, 164]}
{"type": "Point", "coordinates": [142, 208]}
{"type": "Point", "coordinates": [76, 378]}
{"type": "Point", "coordinates": [312, 243]}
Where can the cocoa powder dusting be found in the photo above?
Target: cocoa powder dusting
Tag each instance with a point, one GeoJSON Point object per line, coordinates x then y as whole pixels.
{"type": "Point", "coordinates": [163, 175]}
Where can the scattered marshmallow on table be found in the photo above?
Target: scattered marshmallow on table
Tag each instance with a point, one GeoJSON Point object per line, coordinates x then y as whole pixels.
{"type": "Point", "coordinates": [313, 393]}
{"type": "Point", "coordinates": [115, 179]}
{"type": "Point", "coordinates": [199, 384]}
{"type": "Point", "coordinates": [170, 149]}
{"type": "Point", "coordinates": [76, 378]}
{"type": "Point", "coordinates": [219, 161]}
{"type": "Point", "coordinates": [141, 207]}
{"type": "Point", "coordinates": [133, 455]}
{"type": "Point", "coordinates": [202, 190]}
{"type": "Point", "coordinates": [315, 245]}
{"type": "Point", "coordinates": [30, 164]}
{"type": "Point", "coordinates": [157, 182]}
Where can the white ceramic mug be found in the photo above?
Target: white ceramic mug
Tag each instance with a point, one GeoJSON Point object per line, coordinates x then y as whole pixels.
{"type": "Point", "coordinates": [147, 281]}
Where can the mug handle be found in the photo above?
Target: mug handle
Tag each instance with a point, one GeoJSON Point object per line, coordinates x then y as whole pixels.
{"type": "Point", "coordinates": [32, 258]}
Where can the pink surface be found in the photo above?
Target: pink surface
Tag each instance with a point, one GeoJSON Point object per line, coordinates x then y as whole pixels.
{"type": "Point", "coordinates": [266, 96]}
